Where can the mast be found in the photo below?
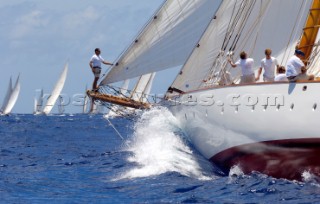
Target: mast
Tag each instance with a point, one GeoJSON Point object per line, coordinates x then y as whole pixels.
{"type": "Point", "coordinates": [310, 31]}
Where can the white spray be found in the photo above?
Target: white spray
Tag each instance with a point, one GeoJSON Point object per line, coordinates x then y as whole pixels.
{"type": "Point", "coordinates": [157, 149]}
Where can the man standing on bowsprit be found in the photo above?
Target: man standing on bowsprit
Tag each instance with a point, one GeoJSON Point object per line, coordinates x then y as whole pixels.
{"type": "Point", "coordinates": [95, 64]}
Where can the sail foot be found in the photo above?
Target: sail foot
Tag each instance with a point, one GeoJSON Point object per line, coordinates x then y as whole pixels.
{"type": "Point", "coordinates": [118, 100]}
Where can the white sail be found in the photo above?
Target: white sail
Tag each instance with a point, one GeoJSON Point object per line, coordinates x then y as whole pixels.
{"type": "Point", "coordinates": [13, 97]}
{"type": "Point", "coordinates": [148, 87]}
{"type": "Point", "coordinates": [166, 41]}
{"type": "Point", "coordinates": [56, 91]}
{"type": "Point", "coordinates": [85, 102]}
{"type": "Point", "coordinates": [38, 103]}
{"type": "Point", "coordinates": [6, 98]}
{"type": "Point", "coordinates": [140, 87]}
{"type": "Point", "coordinates": [247, 25]}
{"type": "Point", "coordinates": [124, 87]}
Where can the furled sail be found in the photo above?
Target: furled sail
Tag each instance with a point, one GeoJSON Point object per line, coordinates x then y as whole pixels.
{"type": "Point", "coordinates": [56, 91]}
{"type": "Point", "coordinates": [11, 97]}
{"type": "Point", "coordinates": [243, 25]}
{"type": "Point", "coordinates": [166, 41]}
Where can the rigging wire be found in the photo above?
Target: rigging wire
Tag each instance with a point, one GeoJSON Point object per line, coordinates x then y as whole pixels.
{"type": "Point", "coordinates": [238, 19]}
{"type": "Point", "coordinates": [115, 129]}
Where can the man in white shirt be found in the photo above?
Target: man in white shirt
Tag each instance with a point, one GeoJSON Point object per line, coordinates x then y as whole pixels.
{"type": "Point", "coordinates": [281, 74]}
{"type": "Point", "coordinates": [269, 64]}
{"type": "Point", "coordinates": [246, 65]}
{"type": "Point", "coordinates": [95, 65]}
{"type": "Point", "coordinates": [296, 70]}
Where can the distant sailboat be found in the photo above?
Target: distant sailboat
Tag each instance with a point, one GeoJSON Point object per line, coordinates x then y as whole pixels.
{"type": "Point", "coordinates": [53, 97]}
{"type": "Point", "coordinates": [38, 103]}
{"type": "Point", "coordinates": [85, 102]}
{"type": "Point", "coordinates": [61, 108]}
{"type": "Point", "coordinates": [11, 97]}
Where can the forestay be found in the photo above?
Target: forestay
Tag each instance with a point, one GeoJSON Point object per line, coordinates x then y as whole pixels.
{"type": "Point", "coordinates": [244, 25]}
{"type": "Point", "coordinates": [167, 40]}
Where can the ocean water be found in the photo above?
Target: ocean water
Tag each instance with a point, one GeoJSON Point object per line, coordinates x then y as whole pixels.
{"type": "Point", "coordinates": [147, 159]}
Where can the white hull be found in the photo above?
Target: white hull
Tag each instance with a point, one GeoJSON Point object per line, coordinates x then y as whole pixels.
{"type": "Point", "coordinates": [218, 120]}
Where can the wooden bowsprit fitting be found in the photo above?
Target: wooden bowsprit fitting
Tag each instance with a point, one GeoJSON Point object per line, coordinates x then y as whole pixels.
{"type": "Point", "coordinates": [127, 102]}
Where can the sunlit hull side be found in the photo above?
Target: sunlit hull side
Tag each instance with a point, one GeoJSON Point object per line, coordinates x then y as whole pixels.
{"type": "Point", "coordinates": [272, 128]}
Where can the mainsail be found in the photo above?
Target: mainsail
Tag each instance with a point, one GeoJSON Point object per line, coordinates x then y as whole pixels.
{"type": "Point", "coordinates": [166, 41]}
{"type": "Point", "coordinates": [56, 91]}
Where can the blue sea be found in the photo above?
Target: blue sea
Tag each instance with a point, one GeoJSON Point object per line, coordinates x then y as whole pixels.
{"type": "Point", "coordinates": [146, 159]}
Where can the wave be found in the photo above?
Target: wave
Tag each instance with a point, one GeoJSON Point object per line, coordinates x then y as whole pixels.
{"type": "Point", "coordinates": [157, 147]}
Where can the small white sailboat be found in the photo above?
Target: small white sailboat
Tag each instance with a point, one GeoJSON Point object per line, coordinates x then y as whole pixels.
{"type": "Point", "coordinates": [61, 105]}
{"type": "Point", "coordinates": [53, 97]}
{"type": "Point", "coordinates": [85, 102]}
{"type": "Point", "coordinates": [11, 97]}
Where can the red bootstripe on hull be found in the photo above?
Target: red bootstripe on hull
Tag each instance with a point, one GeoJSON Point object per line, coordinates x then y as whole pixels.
{"type": "Point", "coordinates": [280, 159]}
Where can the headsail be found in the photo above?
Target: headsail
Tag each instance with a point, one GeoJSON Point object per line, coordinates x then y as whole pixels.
{"type": "Point", "coordinates": [56, 91]}
{"type": "Point", "coordinates": [247, 25]}
{"type": "Point", "coordinates": [166, 41]}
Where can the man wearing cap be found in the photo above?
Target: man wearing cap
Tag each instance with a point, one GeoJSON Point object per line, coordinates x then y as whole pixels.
{"type": "Point", "coordinates": [296, 69]}
{"type": "Point", "coordinates": [95, 65]}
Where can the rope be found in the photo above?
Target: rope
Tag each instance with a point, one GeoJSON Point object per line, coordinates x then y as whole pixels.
{"type": "Point", "coordinates": [118, 133]}
{"type": "Point", "coordinates": [239, 19]}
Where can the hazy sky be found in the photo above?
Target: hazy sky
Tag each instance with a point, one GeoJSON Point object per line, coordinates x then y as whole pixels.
{"type": "Point", "coordinates": [38, 37]}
